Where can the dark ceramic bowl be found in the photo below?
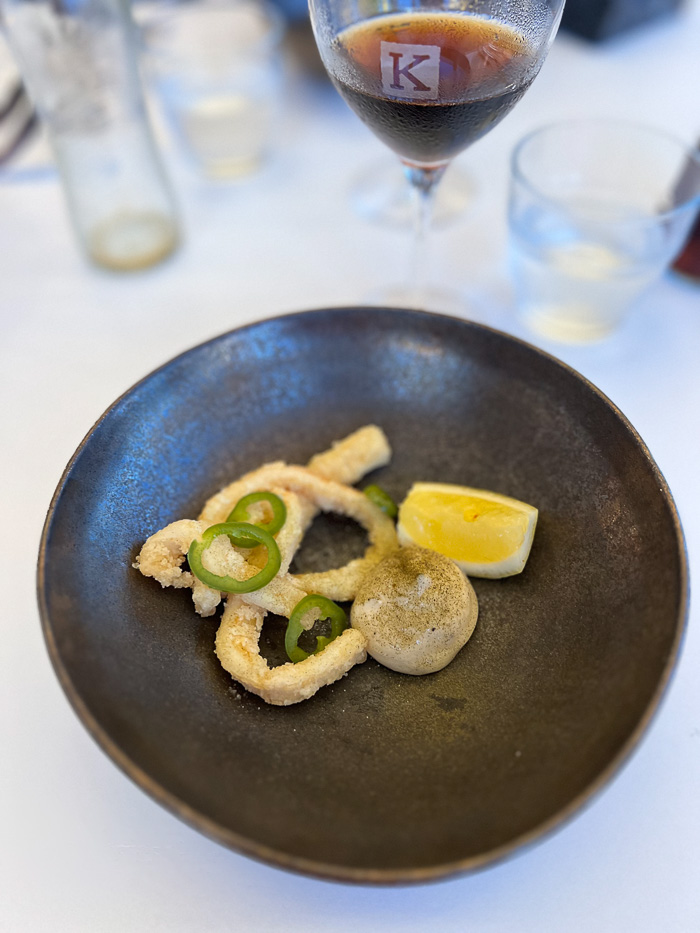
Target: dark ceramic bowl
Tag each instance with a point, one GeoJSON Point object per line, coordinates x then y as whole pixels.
{"type": "Point", "coordinates": [381, 777]}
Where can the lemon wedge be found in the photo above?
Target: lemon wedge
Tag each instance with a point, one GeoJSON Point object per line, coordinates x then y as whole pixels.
{"type": "Point", "coordinates": [484, 533]}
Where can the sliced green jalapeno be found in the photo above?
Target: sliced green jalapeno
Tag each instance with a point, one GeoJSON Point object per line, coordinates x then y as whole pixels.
{"type": "Point", "coordinates": [381, 498]}
{"type": "Point", "coordinates": [328, 610]}
{"type": "Point", "coordinates": [239, 513]}
{"type": "Point", "coordinates": [237, 532]}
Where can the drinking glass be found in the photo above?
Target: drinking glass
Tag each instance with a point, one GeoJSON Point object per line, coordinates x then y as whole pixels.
{"type": "Point", "coordinates": [216, 65]}
{"type": "Point", "coordinates": [429, 78]}
{"type": "Point", "coordinates": [598, 210]}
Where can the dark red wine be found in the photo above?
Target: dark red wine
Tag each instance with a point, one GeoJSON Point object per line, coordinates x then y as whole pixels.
{"type": "Point", "coordinates": [431, 83]}
{"type": "Point", "coordinates": [688, 263]}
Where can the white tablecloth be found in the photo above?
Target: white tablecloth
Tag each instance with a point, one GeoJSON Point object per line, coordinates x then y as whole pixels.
{"type": "Point", "coordinates": [82, 848]}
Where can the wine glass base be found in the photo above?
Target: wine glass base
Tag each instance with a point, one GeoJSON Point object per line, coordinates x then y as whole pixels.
{"type": "Point", "coordinates": [431, 298]}
{"type": "Point", "coordinates": [380, 193]}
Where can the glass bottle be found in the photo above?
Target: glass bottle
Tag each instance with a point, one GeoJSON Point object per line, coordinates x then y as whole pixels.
{"type": "Point", "coordinates": [79, 62]}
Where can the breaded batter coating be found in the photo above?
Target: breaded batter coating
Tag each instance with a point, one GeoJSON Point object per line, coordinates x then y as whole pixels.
{"type": "Point", "coordinates": [163, 555]}
{"type": "Point", "coordinates": [305, 491]}
{"type": "Point", "coordinates": [350, 459]}
{"type": "Point", "coordinates": [339, 584]}
{"type": "Point", "coordinates": [347, 461]}
{"type": "Point", "coordinates": [238, 651]}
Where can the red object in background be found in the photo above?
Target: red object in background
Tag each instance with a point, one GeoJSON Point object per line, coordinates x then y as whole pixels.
{"type": "Point", "coordinates": [688, 263]}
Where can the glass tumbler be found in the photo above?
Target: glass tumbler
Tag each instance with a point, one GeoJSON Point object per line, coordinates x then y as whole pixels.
{"type": "Point", "coordinates": [598, 210]}
{"type": "Point", "coordinates": [217, 66]}
{"type": "Point", "coordinates": [78, 59]}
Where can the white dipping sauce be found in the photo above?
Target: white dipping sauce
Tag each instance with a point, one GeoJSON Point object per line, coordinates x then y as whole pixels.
{"type": "Point", "coordinates": [416, 610]}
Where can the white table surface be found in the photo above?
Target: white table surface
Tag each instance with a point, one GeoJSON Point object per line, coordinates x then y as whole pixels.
{"type": "Point", "coordinates": [81, 848]}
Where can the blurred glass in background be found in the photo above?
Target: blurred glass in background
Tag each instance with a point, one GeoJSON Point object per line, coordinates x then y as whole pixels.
{"type": "Point", "coordinates": [79, 62]}
{"type": "Point", "coordinates": [216, 65]}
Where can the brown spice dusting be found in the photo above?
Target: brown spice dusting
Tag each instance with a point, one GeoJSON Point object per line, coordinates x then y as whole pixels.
{"type": "Point", "coordinates": [416, 609]}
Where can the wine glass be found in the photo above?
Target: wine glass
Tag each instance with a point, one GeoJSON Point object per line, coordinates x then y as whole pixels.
{"type": "Point", "coordinates": [380, 194]}
{"type": "Point", "coordinates": [429, 78]}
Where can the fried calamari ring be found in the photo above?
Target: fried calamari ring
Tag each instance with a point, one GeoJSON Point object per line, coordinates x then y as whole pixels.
{"type": "Point", "coordinates": [237, 639]}
{"type": "Point", "coordinates": [237, 648]}
{"type": "Point", "coordinates": [304, 491]}
{"type": "Point", "coordinates": [349, 459]}
{"type": "Point", "coordinates": [346, 461]}
{"type": "Point", "coordinates": [288, 538]}
{"type": "Point", "coordinates": [280, 595]}
{"type": "Point", "coordinates": [164, 553]}
{"type": "Point", "coordinates": [342, 583]}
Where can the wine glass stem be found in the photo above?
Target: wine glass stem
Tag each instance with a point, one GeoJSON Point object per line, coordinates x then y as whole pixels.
{"type": "Point", "coordinates": [423, 182]}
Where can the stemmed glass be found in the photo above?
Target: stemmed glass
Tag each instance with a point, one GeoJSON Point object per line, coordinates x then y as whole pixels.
{"type": "Point", "coordinates": [429, 78]}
